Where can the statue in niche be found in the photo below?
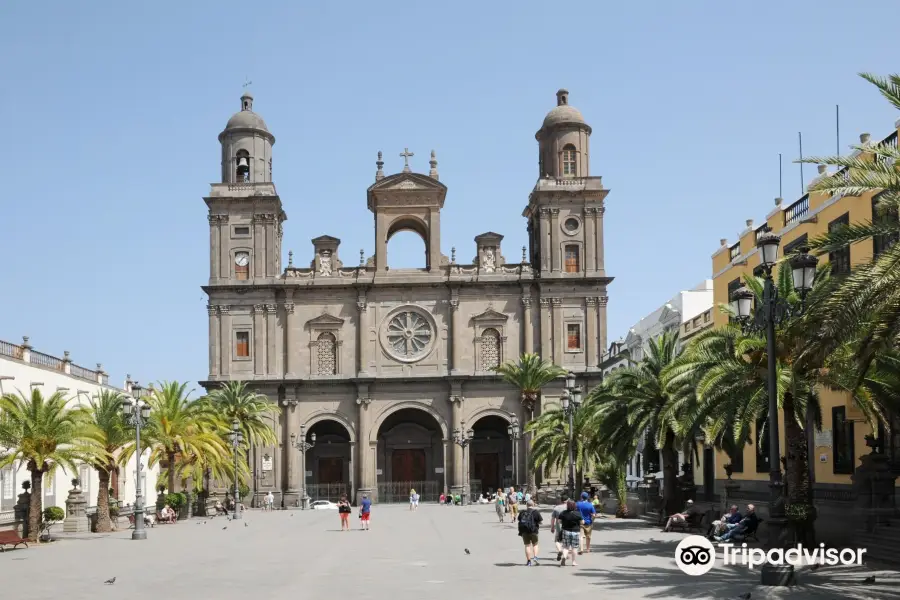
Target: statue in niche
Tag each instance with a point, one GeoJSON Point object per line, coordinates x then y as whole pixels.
{"type": "Point", "coordinates": [325, 263]}
{"type": "Point", "coordinates": [488, 263]}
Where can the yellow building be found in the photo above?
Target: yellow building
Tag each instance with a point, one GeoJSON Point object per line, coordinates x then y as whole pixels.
{"type": "Point", "coordinates": [841, 442]}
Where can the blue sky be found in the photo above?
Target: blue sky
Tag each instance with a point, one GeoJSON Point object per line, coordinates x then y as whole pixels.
{"type": "Point", "coordinates": [112, 112]}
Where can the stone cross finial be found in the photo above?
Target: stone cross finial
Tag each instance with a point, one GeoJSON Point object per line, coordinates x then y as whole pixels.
{"type": "Point", "coordinates": [406, 154]}
{"type": "Point", "coordinates": [362, 257]}
{"type": "Point", "coordinates": [453, 254]}
{"type": "Point", "coordinates": [433, 173]}
{"type": "Point", "coordinates": [524, 250]}
{"type": "Point", "coordinates": [290, 258]}
{"type": "Point", "coordinates": [379, 174]}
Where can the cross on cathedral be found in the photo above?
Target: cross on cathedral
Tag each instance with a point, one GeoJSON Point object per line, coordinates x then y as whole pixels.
{"type": "Point", "coordinates": [406, 154]}
{"type": "Point", "coordinates": [247, 83]}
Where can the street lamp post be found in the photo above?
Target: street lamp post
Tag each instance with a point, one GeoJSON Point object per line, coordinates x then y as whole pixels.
{"type": "Point", "coordinates": [514, 435]}
{"type": "Point", "coordinates": [303, 446]}
{"type": "Point", "coordinates": [136, 414]}
{"type": "Point", "coordinates": [237, 438]}
{"type": "Point", "coordinates": [773, 311]}
{"type": "Point", "coordinates": [571, 401]}
{"type": "Point", "coordinates": [462, 437]}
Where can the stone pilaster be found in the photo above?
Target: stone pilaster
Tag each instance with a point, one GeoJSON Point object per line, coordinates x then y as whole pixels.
{"type": "Point", "coordinates": [292, 352]}
{"type": "Point", "coordinates": [224, 250]}
{"type": "Point", "coordinates": [591, 338]}
{"type": "Point", "coordinates": [365, 464]}
{"type": "Point", "coordinates": [554, 240]}
{"type": "Point", "coordinates": [214, 244]}
{"type": "Point", "coordinates": [455, 333]}
{"type": "Point", "coordinates": [558, 334]}
{"type": "Point", "coordinates": [362, 332]}
{"type": "Point", "coordinates": [259, 246]}
{"type": "Point", "coordinates": [213, 313]}
{"type": "Point", "coordinates": [528, 337]}
{"type": "Point", "coordinates": [290, 493]}
{"type": "Point", "coordinates": [601, 321]}
{"type": "Point", "coordinates": [226, 337]}
{"type": "Point", "coordinates": [271, 318]}
{"type": "Point", "coordinates": [590, 241]}
{"type": "Point", "coordinates": [598, 232]}
{"type": "Point", "coordinates": [458, 482]}
{"type": "Point", "coordinates": [545, 238]}
{"type": "Point", "coordinates": [259, 340]}
{"type": "Point", "coordinates": [546, 350]}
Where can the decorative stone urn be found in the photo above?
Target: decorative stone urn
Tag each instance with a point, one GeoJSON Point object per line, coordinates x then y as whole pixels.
{"type": "Point", "coordinates": [22, 508]}
{"type": "Point", "coordinates": [76, 520]}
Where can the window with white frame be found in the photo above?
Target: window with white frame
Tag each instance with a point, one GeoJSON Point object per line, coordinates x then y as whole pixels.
{"type": "Point", "coordinates": [8, 490]}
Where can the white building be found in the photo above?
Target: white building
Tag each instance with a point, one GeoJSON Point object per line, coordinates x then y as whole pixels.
{"type": "Point", "coordinates": [22, 369]}
{"type": "Point", "coordinates": [688, 312]}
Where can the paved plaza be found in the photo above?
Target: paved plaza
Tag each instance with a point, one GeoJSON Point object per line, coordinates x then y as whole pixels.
{"type": "Point", "coordinates": [303, 554]}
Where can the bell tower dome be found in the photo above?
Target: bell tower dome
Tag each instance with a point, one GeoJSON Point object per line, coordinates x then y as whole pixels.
{"type": "Point", "coordinates": [563, 141]}
{"type": "Point", "coordinates": [246, 146]}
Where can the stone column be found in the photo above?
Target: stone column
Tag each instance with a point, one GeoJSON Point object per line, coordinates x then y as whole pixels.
{"type": "Point", "coordinates": [528, 338]}
{"type": "Point", "coordinates": [270, 246]}
{"type": "Point", "coordinates": [601, 321]}
{"type": "Point", "coordinates": [291, 353]}
{"type": "Point", "coordinates": [598, 232]}
{"type": "Point", "coordinates": [558, 333]}
{"type": "Point", "coordinates": [214, 243]}
{"type": "Point", "coordinates": [590, 262]}
{"type": "Point", "coordinates": [225, 336]}
{"type": "Point", "coordinates": [455, 333]}
{"type": "Point", "coordinates": [224, 254]}
{"type": "Point", "coordinates": [591, 338]}
{"type": "Point", "coordinates": [259, 339]}
{"type": "Point", "coordinates": [546, 350]}
{"type": "Point", "coordinates": [213, 312]}
{"type": "Point", "coordinates": [456, 487]}
{"type": "Point", "coordinates": [291, 456]}
{"type": "Point", "coordinates": [381, 242]}
{"type": "Point", "coordinates": [446, 489]}
{"type": "Point", "coordinates": [271, 316]}
{"type": "Point", "coordinates": [554, 240]}
{"type": "Point", "coordinates": [544, 232]}
{"type": "Point", "coordinates": [366, 468]}
{"type": "Point", "coordinates": [362, 331]}
{"type": "Point", "coordinates": [259, 246]}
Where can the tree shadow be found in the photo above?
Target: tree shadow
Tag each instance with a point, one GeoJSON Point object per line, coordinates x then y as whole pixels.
{"type": "Point", "coordinates": [623, 524]}
{"type": "Point", "coordinates": [731, 581]}
{"type": "Point", "coordinates": [625, 549]}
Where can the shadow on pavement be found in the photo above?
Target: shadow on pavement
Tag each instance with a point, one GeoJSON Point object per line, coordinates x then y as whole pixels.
{"type": "Point", "coordinates": [621, 549]}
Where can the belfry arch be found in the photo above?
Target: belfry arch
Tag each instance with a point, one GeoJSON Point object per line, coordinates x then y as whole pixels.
{"type": "Point", "coordinates": [411, 224]}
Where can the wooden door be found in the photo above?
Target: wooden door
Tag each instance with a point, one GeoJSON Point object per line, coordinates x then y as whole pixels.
{"type": "Point", "coordinates": [408, 465]}
{"type": "Point", "coordinates": [487, 469]}
{"type": "Point", "coordinates": [331, 470]}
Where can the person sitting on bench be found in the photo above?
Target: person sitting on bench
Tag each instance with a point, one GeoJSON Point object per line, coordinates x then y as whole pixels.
{"type": "Point", "coordinates": [747, 525]}
{"type": "Point", "coordinates": [682, 517]}
{"type": "Point", "coordinates": [220, 510]}
{"type": "Point", "coordinates": [720, 526]}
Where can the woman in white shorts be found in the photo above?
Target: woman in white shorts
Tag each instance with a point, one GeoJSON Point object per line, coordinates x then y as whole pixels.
{"type": "Point", "coordinates": [413, 500]}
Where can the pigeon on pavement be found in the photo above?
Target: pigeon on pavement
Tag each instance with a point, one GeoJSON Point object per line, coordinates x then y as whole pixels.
{"type": "Point", "coordinates": [869, 579]}
{"type": "Point", "coordinates": [110, 581]}
{"type": "Point", "coordinates": [246, 524]}
{"type": "Point", "coordinates": [467, 551]}
{"type": "Point", "coordinates": [224, 528]}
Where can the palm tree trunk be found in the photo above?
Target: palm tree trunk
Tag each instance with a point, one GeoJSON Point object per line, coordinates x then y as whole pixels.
{"type": "Point", "coordinates": [171, 458]}
{"type": "Point", "coordinates": [670, 474]}
{"type": "Point", "coordinates": [104, 523]}
{"type": "Point", "coordinates": [797, 465]}
{"type": "Point", "coordinates": [35, 506]}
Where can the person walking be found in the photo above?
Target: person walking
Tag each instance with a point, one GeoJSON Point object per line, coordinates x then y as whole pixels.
{"type": "Point", "coordinates": [499, 504]}
{"type": "Point", "coordinates": [413, 500]}
{"type": "Point", "coordinates": [344, 511]}
{"type": "Point", "coordinates": [571, 522]}
{"type": "Point", "coordinates": [365, 512]}
{"type": "Point", "coordinates": [513, 501]}
{"type": "Point", "coordinates": [529, 524]}
{"type": "Point", "coordinates": [270, 501]}
{"type": "Point", "coordinates": [556, 527]}
{"type": "Point", "coordinates": [586, 508]}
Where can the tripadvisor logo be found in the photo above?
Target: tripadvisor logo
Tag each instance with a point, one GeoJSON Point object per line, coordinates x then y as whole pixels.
{"type": "Point", "coordinates": [695, 555]}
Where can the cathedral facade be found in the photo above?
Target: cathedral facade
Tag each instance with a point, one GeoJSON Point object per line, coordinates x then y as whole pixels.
{"type": "Point", "coordinates": [380, 373]}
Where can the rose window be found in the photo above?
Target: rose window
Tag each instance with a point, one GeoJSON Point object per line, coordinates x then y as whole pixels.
{"type": "Point", "coordinates": [409, 335]}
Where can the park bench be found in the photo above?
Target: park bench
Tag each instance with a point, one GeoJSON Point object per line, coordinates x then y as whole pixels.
{"type": "Point", "coordinates": [11, 538]}
{"type": "Point", "coordinates": [693, 522]}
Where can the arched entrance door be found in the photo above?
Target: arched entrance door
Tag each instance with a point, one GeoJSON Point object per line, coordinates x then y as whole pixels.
{"type": "Point", "coordinates": [490, 455]}
{"type": "Point", "coordinates": [410, 455]}
{"type": "Point", "coordinates": [329, 465]}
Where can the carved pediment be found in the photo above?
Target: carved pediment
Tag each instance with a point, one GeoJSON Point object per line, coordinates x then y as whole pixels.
{"type": "Point", "coordinates": [325, 239]}
{"type": "Point", "coordinates": [325, 320]}
{"type": "Point", "coordinates": [490, 315]}
{"type": "Point", "coordinates": [406, 189]}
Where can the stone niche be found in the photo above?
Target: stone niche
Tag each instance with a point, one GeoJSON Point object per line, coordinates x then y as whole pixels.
{"type": "Point", "coordinates": [325, 259]}
{"type": "Point", "coordinates": [489, 258]}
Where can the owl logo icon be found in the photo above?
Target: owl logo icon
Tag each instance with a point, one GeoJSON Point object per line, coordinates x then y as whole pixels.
{"type": "Point", "coordinates": [695, 555]}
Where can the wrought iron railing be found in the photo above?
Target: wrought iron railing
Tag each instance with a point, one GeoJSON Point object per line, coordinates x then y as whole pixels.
{"type": "Point", "coordinates": [891, 142]}
{"type": "Point", "coordinates": [7, 517]}
{"type": "Point", "coordinates": [327, 491]}
{"type": "Point", "coordinates": [398, 491]}
{"type": "Point", "coordinates": [796, 211]}
{"type": "Point", "coordinates": [761, 230]}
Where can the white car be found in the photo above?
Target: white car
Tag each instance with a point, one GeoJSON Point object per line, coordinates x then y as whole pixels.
{"type": "Point", "coordinates": [323, 505]}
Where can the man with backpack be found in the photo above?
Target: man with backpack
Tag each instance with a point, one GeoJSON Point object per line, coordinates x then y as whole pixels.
{"type": "Point", "coordinates": [529, 523]}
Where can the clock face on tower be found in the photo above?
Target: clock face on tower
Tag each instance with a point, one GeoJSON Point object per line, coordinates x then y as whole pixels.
{"type": "Point", "coordinates": [242, 259]}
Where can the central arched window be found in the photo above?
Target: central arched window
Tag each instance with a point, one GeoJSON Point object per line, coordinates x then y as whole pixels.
{"type": "Point", "coordinates": [568, 160]}
{"type": "Point", "coordinates": [490, 349]}
{"type": "Point", "coordinates": [326, 346]}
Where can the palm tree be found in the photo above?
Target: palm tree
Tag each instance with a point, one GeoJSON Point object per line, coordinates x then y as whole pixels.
{"type": "Point", "coordinates": [611, 473]}
{"type": "Point", "coordinates": [550, 442]}
{"type": "Point", "coordinates": [181, 427]}
{"type": "Point", "coordinates": [234, 401]}
{"type": "Point", "coordinates": [634, 402]}
{"type": "Point", "coordinates": [871, 289]}
{"type": "Point", "coordinates": [106, 427]}
{"type": "Point", "coordinates": [529, 375]}
{"type": "Point", "coordinates": [43, 434]}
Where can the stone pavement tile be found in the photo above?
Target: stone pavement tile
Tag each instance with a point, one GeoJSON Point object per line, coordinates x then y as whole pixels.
{"type": "Point", "coordinates": [406, 555]}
